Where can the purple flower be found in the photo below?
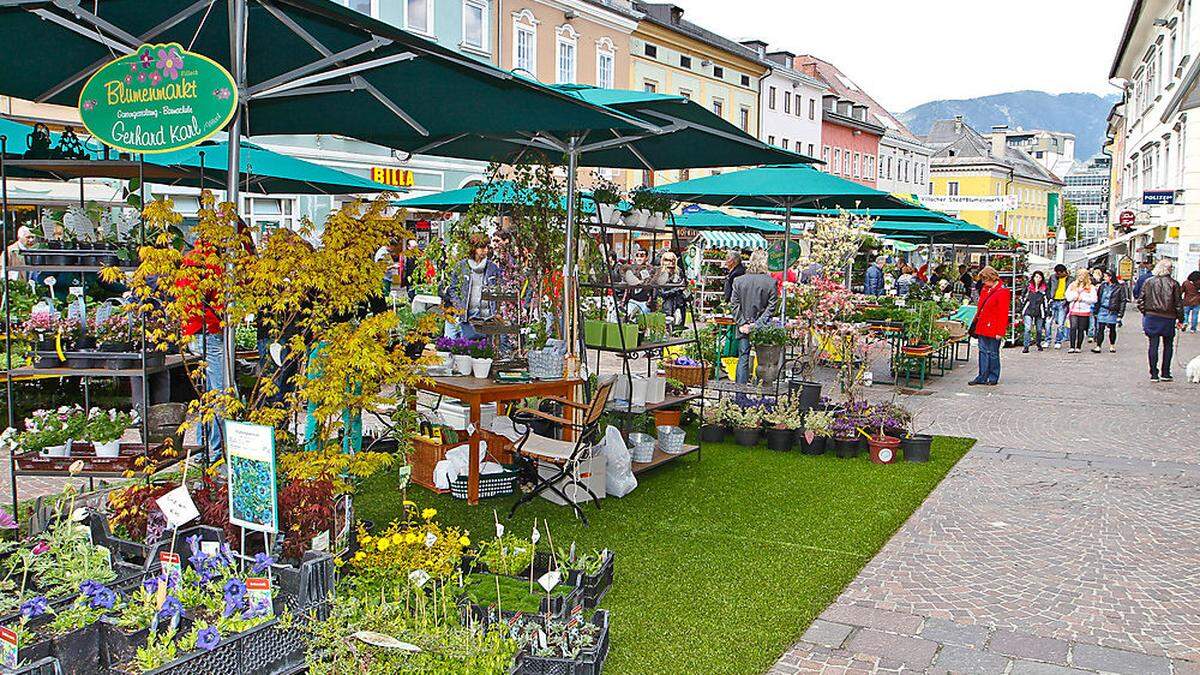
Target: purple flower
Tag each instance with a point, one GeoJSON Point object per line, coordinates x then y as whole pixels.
{"type": "Point", "coordinates": [227, 555]}
{"type": "Point", "coordinates": [193, 543]}
{"type": "Point", "coordinates": [35, 607]}
{"type": "Point", "coordinates": [208, 638]}
{"type": "Point", "coordinates": [262, 562]}
{"type": "Point", "coordinates": [221, 94]}
{"type": "Point", "coordinates": [90, 587]}
{"type": "Point", "coordinates": [151, 583]}
{"type": "Point", "coordinates": [686, 361]}
{"type": "Point", "coordinates": [146, 59]}
{"type": "Point", "coordinates": [170, 609]}
{"type": "Point", "coordinates": [7, 522]}
{"type": "Point", "coordinates": [40, 548]}
{"type": "Point", "coordinates": [260, 609]}
{"type": "Point", "coordinates": [169, 63]}
{"type": "Point", "coordinates": [103, 598]}
{"type": "Point", "coordinates": [235, 596]}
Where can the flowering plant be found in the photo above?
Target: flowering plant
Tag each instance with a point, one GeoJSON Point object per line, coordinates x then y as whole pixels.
{"type": "Point", "coordinates": [819, 422]}
{"type": "Point", "coordinates": [46, 428]}
{"type": "Point", "coordinates": [415, 543]}
{"type": "Point", "coordinates": [685, 361]}
{"type": "Point", "coordinates": [43, 324]}
{"type": "Point", "coordinates": [506, 555]}
{"type": "Point", "coordinates": [458, 346]}
{"type": "Point", "coordinates": [745, 413]}
{"type": "Point", "coordinates": [785, 414]}
{"type": "Point", "coordinates": [105, 426]}
{"type": "Point", "coordinates": [114, 329]}
{"type": "Point", "coordinates": [716, 414]}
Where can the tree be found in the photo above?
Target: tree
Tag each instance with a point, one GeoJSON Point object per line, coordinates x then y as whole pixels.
{"type": "Point", "coordinates": [1070, 219]}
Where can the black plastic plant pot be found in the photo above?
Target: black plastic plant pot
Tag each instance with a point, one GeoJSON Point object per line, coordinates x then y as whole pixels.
{"type": "Point", "coordinates": [47, 360]}
{"type": "Point", "coordinates": [916, 447]}
{"type": "Point", "coordinates": [116, 347]}
{"type": "Point", "coordinates": [747, 437]}
{"type": "Point", "coordinates": [85, 343]}
{"type": "Point", "coordinates": [711, 433]}
{"type": "Point", "coordinates": [781, 440]}
{"type": "Point", "coordinates": [78, 652]}
{"type": "Point", "coordinates": [816, 447]}
{"type": "Point", "coordinates": [36, 651]}
{"type": "Point", "coordinates": [810, 394]}
{"type": "Point", "coordinates": [845, 448]}
{"type": "Point", "coordinates": [81, 360]}
{"type": "Point", "coordinates": [155, 358]}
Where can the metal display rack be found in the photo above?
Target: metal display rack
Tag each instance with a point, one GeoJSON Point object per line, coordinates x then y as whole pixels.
{"type": "Point", "coordinates": [1016, 278]}
{"type": "Point", "coordinates": [652, 351]}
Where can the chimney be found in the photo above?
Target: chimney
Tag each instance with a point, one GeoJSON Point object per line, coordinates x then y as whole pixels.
{"type": "Point", "coordinates": [958, 124]}
{"type": "Point", "coordinates": [676, 14]}
{"type": "Point", "coordinates": [1000, 141]}
{"type": "Point", "coordinates": [860, 112]}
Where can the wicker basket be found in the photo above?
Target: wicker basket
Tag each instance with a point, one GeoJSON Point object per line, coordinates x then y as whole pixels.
{"type": "Point", "coordinates": [490, 485]}
{"type": "Point", "coordinates": [692, 376]}
{"type": "Point", "coordinates": [545, 364]}
{"type": "Point", "coordinates": [643, 447]}
{"type": "Point", "coordinates": [670, 439]}
{"type": "Point", "coordinates": [423, 459]}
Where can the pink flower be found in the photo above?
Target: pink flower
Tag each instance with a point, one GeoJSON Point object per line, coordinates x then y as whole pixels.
{"type": "Point", "coordinates": [141, 77]}
{"type": "Point", "coordinates": [40, 548]}
{"type": "Point", "coordinates": [128, 79]}
{"type": "Point", "coordinates": [89, 104]}
{"type": "Point", "coordinates": [155, 78]}
{"type": "Point", "coordinates": [146, 59]}
{"type": "Point", "coordinates": [169, 62]}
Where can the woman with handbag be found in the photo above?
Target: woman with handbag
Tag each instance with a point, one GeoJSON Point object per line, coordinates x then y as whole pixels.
{"type": "Point", "coordinates": [1081, 298]}
{"type": "Point", "coordinates": [990, 325]}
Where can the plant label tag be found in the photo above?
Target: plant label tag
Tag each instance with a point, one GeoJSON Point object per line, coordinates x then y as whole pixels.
{"type": "Point", "coordinates": [210, 548]}
{"type": "Point", "coordinates": [258, 593]}
{"type": "Point", "coordinates": [386, 641]}
{"type": "Point", "coordinates": [418, 577]}
{"type": "Point", "coordinates": [572, 553]}
{"type": "Point", "coordinates": [276, 350]}
{"type": "Point", "coordinates": [178, 507]}
{"type": "Point", "coordinates": [170, 565]}
{"type": "Point", "coordinates": [430, 539]}
{"type": "Point", "coordinates": [470, 429]}
{"type": "Point", "coordinates": [404, 475]}
{"type": "Point", "coordinates": [549, 580]}
{"type": "Point", "coordinates": [76, 291]}
{"type": "Point", "coordinates": [810, 436]}
{"type": "Point", "coordinates": [499, 530]}
{"type": "Point", "coordinates": [536, 536]}
{"type": "Point", "coordinates": [321, 541]}
{"type": "Point", "coordinates": [8, 648]}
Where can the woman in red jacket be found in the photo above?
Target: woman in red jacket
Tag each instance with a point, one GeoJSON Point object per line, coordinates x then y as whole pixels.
{"type": "Point", "coordinates": [991, 325]}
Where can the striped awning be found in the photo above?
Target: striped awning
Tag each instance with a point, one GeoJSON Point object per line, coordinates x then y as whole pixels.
{"type": "Point", "coordinates": [733, 240]}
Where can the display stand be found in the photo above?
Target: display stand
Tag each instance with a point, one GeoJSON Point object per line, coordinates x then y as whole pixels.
{"type": "Point", "coordinates": [652, 351]}
{"type": "Point", "coordinates": [1014, 273]}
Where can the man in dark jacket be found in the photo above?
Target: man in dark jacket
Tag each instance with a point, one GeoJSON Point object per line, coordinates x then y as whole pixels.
{"type": "Point", "coordinates": [1161, 303]}
{"type": "Point", "coordinates": [755, 302]}
{"type": "Point", "coordinates": [733, 269]}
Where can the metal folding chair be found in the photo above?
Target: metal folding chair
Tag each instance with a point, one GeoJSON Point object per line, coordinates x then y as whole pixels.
{"type": "Point", "coordinates": [533, 449]}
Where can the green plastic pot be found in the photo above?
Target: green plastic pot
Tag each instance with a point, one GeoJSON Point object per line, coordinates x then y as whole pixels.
{"type": "Point", "coordinates": [593, 333]}
{"type": "Point", "coordinates": [612, 336]}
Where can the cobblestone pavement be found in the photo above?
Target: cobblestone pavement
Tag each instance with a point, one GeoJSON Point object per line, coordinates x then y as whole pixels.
{"type": "Point", "coordinates": [1066, 541]}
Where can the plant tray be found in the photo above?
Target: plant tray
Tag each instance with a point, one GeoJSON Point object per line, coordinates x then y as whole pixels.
{"type": "Point", "coordinates": [490, 485]}
{"type": "Point", "coordinates": [126, 461]}
{"type": "Point", "coordinates": [558, 606]}
{"type": "Point", "coordinates": [590, 662]}
{"type": "Point", "coordinates": [594, 586]}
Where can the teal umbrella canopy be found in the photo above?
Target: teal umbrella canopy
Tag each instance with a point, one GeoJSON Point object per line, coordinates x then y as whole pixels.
{"type": "Point", "coordinates": [957, 232]}
{"type": "Point", "coordinates": [263, 171]}
{"type": "Point", "coordinates": [312, 66]}
{"type": "Point", "coordinates": [778, 186]}
{"type": "Point", "coordinates": [704, 219]}
{"type": "Point", "coordinates": [911, 213]}
{"type": "Point", "coordinates": [498, 193]}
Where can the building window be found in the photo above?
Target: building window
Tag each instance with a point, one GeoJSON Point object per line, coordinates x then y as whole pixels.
{"type": "Point", "coordinates": [770, 140]}
{"type": "Point", "coordinates": [837, 160]}
{"type": "Point", "coordinates": [649, 87]}
{"type": "Point", "coordinates": [785, 144]}
{"type": "Point", "coordinates": [787, 102]}
{"type": "Point", "coordinates": [685, 61]}
{"type": "Point", "coordinates": [565, 47]}
{"type": "Point", "coordinates": [856, 173]}
{"type": "Point", "coordinates": [718, 107]}
{"type": "Point", "coordinates": [475, 30]}
{"type": "Point", "coordinates": [825, 156]}
{"type": "Point", "coordinates": [686, 94]}
{"type": "Point", "coordinates": [265, 215]}
{"type": "Point", "coordinates": [525, 42]}
{"type": "Point", "coordinates": [418, 16]}
{"type": "Point", "coordinates": [744, 118]}
{"type": "Point", "coordinates": [952, 188]}
{"type": "Point", "coordinates": [810, 150]}
{"type": "Point", "coordinates": [650, 50]}
{"type": "Point", "coordinates": [771, 98]}
{"type": "Point", "coordinates": [745, 80]}
{"type": "Point", "coordinates": [368, 7]}
{"type": "Point", "coordinates": [812, 108]}
{"type": "Point", "coordinates": [718, 72]}
{"type": "Point", "coordinates": [605, 63]}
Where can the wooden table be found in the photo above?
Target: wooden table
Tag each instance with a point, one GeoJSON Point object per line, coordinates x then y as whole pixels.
{"type": "Point", "coordinates": [476, 391]}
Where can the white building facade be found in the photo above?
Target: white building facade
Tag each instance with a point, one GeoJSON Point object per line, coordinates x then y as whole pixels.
{"type": "Point", "coordinates": [903, 162]}
{"type": "Point", "coordinates": [1159, 166]}
{"type": "Point", "coordinates": [789, 104]}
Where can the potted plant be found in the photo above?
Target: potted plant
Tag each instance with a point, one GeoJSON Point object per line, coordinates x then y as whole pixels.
{"type": "Point", "coordinates": [104, 429]}
{"type": "Point", "coordinates": [845, 436]}
{"type": "Point", "coordinates": [481, 359]}
{"type": "Point", "coordinates": [746, 417]}
{"type": "Point", "coordinates": [769, 341]}
{"type": "Point", "coordinates": [593, 326]}
{"type": "Point", "coordinates": [670, 416]}
{"type": "Point", "coordinates": [686, 370]}
{"type": "Point", "coordinates": [621, 335]}
{"type": "Point", "coordinates": [49, 432]}
{"type": "Point", "coordinates": [606, 195]}
{"type": "Point", "coordinates": [818, 427]}
{"type": "Point", "coordinates": [460, 351]}
{"type": "Point", "coordinates": [653, 326]}
{"type": "Point", "coordinates": [654, 207]}
{"type": "Point", "coordinates": [915, 446]}
{"type": "Point", "coordinates": [713, 425]}
{"type": "Point", "coordinates": [882, 446]}
{"type": "Point", "coordinates": [782, 421]}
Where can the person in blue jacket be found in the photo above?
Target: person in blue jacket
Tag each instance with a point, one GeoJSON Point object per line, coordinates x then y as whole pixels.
{"type": "Point", "coordinates": [873, 284]}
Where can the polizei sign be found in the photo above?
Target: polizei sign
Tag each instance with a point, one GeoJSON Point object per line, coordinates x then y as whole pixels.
{"type": "Point", "coordinates": [157, 99]}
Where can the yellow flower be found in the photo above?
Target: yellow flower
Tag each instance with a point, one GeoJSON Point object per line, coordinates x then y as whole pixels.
{"type": "Point", "coordinates": [428, 513]}
{"type": "Point", "coordinates": [397, 539]}
{"type": "Point", "coordinates": [410, 503]}
{"type": "Point", "coordinates": [383, 544]}
{"type": "Point", "coordinates": [366, 539]}
{"type": "Point", "coordinates": [411, 537]}
{"type": "Point", "coordinates": [464, 541]}
{"type": "Point", "coordinates": [338, 562]}
{"type": "Point", "coordinates": [359, 556]}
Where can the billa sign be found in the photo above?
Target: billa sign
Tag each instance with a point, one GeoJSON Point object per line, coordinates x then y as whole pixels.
{"type": "Point", "coordinates": [158, 99]}
{"type": "Point", "coordinates": [1127, 219]}
{"type": "Point", "coordinates": [390, 176]}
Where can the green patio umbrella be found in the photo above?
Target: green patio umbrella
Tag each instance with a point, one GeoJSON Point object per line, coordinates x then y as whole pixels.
{"type": "Point", "coordinates": [705, 219]}
{"type": "Point", "coordinates": [263, 171]}
{"type": "Point", "coordinates": [784, 186]}
{"type": "Point", "coordinates": [498, 193]}
{"type": "Point", "coordinates": [935, 232]}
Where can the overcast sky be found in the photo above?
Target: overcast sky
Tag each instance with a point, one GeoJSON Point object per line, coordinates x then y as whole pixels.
{"type": "Point", "coordinates": [907, 52]}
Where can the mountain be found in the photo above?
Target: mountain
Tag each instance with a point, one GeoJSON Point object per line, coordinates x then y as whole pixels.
{"type": "Point", "coordinates": [1084, 115]}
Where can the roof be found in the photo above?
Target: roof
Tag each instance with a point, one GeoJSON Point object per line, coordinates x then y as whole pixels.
{"type": "Point", "coordinates": [661, 14]}
{"type": "Point", "coordinates": [955, 142]}
{"type": "Point", "coordinates": [1134, 26]}
{"type": "Point", "coordinates": [839, 83]}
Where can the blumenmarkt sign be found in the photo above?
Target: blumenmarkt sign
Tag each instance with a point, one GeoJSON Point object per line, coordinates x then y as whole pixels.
{"type": "Point", "coordinates": [157, 99]}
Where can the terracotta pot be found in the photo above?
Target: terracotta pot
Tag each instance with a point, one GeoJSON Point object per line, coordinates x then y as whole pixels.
{"type": "Point", "coordinates": [667, 418]}
{"type": "Point", "coordinates": [883, 449]}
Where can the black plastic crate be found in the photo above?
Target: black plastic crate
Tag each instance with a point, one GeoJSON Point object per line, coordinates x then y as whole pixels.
{"type": "Point", "coordinates": [589, 662]}
{"type": "Point", "coordinates": [594, 586]}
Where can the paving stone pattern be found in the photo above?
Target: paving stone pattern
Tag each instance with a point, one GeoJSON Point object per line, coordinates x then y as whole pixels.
{"type": "Point", "coordinates": [1066, 541]}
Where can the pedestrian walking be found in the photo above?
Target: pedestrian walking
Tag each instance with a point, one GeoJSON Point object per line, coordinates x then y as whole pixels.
{"type": "Point", "coordinates": [1082, 296]}
{"type": "Point", "coordinates": [755, 302]}
{"type": "Point", "coordinates": [990, 325]}
{"type": "Point", "coordinates": [1161, 304]}
{"type": "Point", "coordinates": [1109, 310]}
{"type": "Point", "coordinates": [1035, 309]}
{"type": "Point", "coordinates": [906, 281]}
{"type": "Point", "coordinates": [1191, 301]}
{"type": "Point", "coordinates": [1058, 304]}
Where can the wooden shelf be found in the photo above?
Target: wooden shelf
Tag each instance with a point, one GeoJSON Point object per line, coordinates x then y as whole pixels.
{"type": "Point", "coordinates": [171, 361]}
{"type": "Point", "coordinates": [619, 407]}
{"type": "Point", "coordinates": [647, 347]}
{"type": "Point", "coordinates": [661, 458]}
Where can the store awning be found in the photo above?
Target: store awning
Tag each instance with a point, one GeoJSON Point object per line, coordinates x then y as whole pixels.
{"type": "Point", "coordinates": [733, 240]}
{"type": "Point", "coordinates": [1103, 247]}
{"type": "Point", "coordinates": [940, 232]}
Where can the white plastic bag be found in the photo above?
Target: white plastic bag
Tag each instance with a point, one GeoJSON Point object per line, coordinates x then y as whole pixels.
{"type": "Point", "coordinates": [618, 474]}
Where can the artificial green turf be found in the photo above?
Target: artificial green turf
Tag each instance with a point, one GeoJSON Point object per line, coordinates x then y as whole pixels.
{"type": "Point", "coordinates": [721, 564]}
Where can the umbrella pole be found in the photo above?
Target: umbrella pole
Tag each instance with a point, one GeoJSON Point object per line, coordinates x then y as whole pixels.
{"type": "Point", "coordinates": [787, 244]}
{"type": "Point", "coordinates": [237, 61]}
{"type": "Point", "coordinates": [570, 289]}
